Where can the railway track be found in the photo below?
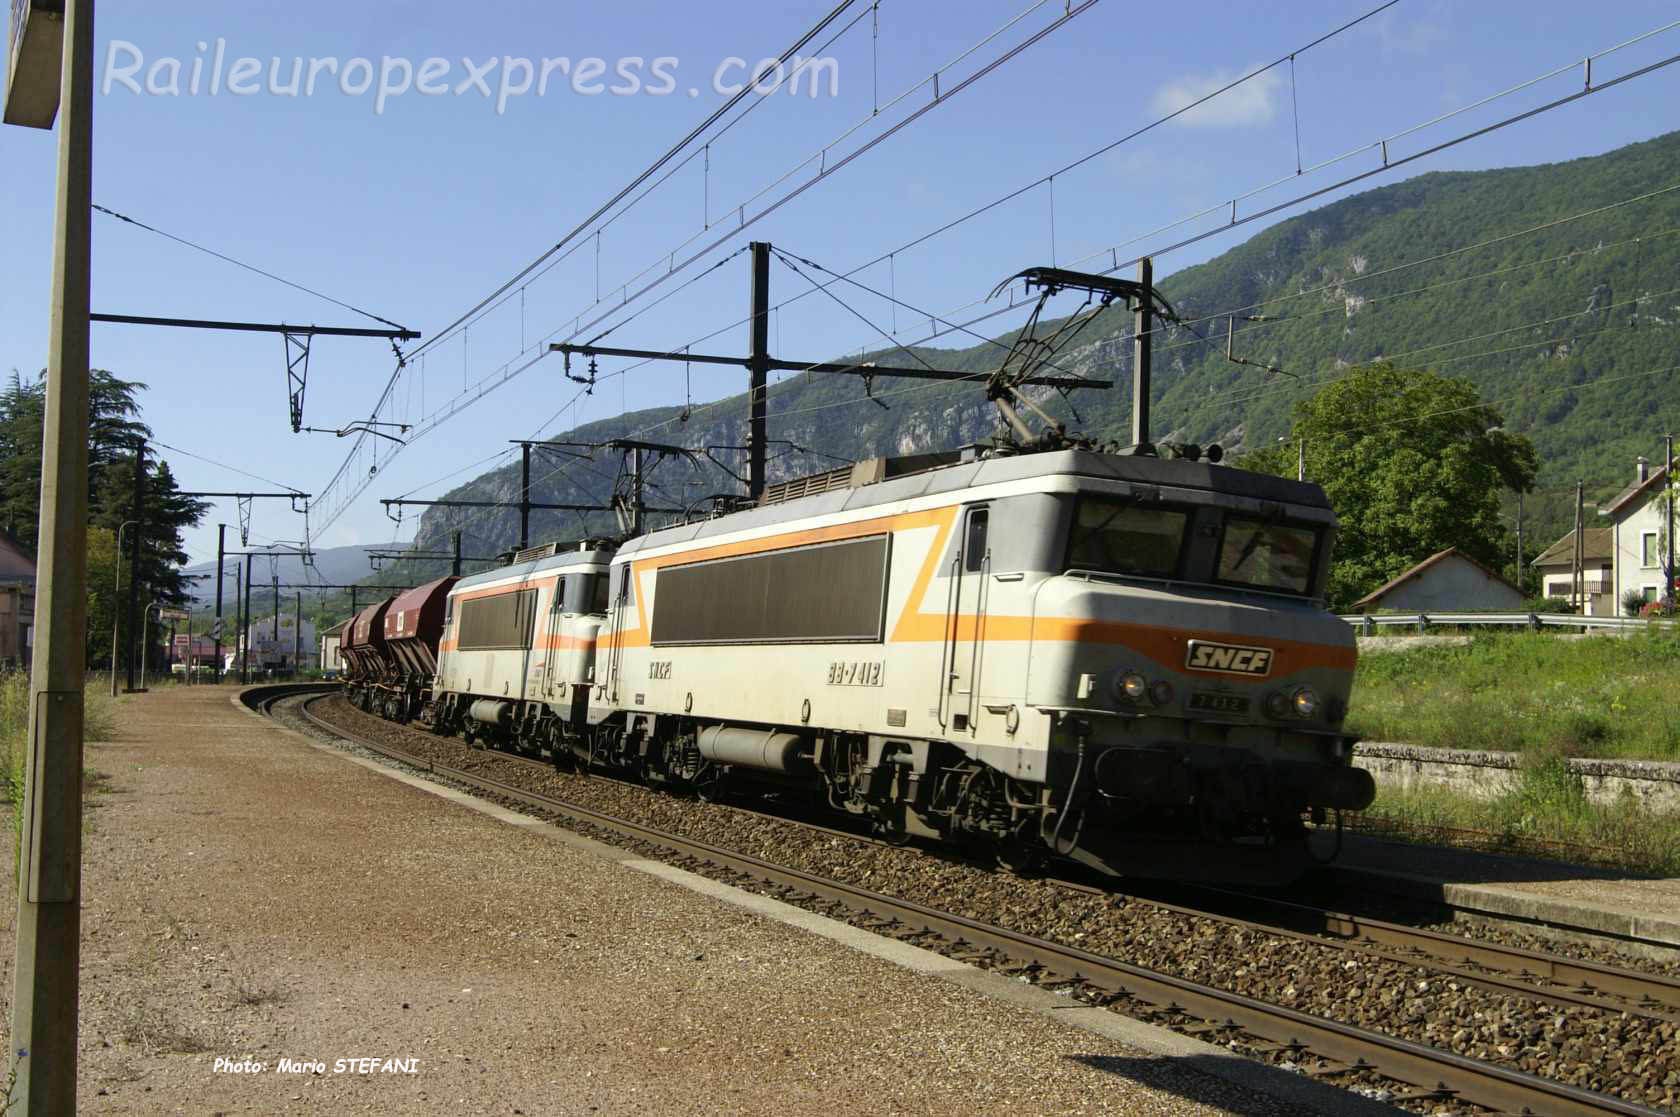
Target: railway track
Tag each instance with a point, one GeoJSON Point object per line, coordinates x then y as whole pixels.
{"type": "Point", "coordinates": [1330, 1048]}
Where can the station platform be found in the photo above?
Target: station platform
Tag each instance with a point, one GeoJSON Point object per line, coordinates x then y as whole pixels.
{"type": "Point", "coordinates": [261, 911]}
{"type": "Point", "coordinates": [1560, 900]}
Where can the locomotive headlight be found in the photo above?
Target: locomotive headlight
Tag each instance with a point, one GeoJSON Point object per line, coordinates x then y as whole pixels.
{"type": "Point", "coordinates": [1131, 687]}
{"type": "Point", "coordinates": [1304, 702]}
{"type": "Point", "coordinates": [1160, 692]}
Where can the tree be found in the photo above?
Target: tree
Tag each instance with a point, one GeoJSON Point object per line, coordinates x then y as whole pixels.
{"type": "Point", "coordinates": [113, 429]}
{"type": "Point", "coordinates": [162, 550]}
{"type": "Point", "coordinates": [1413, 463]}
{"type": "Point", "coordinates": [102, 605]}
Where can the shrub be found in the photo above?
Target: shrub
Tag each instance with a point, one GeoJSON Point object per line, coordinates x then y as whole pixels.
{"type": "Point", "coordinates": [1633, 601]}
{"type": "Point", "coordinates": [1547, 605]}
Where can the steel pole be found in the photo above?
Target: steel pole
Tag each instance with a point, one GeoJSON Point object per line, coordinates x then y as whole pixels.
{"type": "Point", "coordinates": [145, 625]}
{"type": "Point", "coordinates": [524, 495]}
{"type": "Point", "coordinates": [297, 635]}
{"type": "Point", "coordinates": [758, 371]}
{"type": "Point", "coordinates": [221, 543]}
{"type": "Point", "coordinates": [116, 595]}
{"type": "Point", "coordinates": [237, 598]}
{"type": "Point", "coordinates": [245, 627]}
{"type": "Point", "coordinates": [1142, 343]}
{"type": "Point", "coordinates": [47, 972]}
{"type": "Point", "coordinates": [134, 558]}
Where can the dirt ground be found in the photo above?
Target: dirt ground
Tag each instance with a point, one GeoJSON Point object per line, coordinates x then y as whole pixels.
{"type": "Point", "coordinates": [249, 897]}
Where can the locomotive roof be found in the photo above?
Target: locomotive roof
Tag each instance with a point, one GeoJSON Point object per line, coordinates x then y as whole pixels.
{"type": "Point", "coordinates": [990, 471]}
{"type": "Point", "coordinates": [595, 557]}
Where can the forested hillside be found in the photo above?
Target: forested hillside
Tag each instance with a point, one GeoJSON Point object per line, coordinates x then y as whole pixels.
{"type": "Point", "coordinates": [1570, 330]}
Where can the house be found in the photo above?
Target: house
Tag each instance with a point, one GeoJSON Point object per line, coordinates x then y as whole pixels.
{"type": "Point", "coordinates": [1447, 582]}
{"type": "Point", "coordinates": [331, 640]}
{"type": "Point", "coordinates": [1639, 516]}
{"type": "Point", "coordinates": [192, 650]}
{"type": "Point", "coordinates": [1556, 567]}
{"type": "Point", "coordinates": [276, 645]}
{"type": "Point", "coordinates": [17, 602]}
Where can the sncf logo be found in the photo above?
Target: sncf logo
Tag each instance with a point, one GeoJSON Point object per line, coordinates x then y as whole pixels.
{"type": "Point", "coordinates": [1231, 659]}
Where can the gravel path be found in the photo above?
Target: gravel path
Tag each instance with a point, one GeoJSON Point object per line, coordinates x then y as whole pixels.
{"type": "Point", "coordinates": [1633, 1057]}
{"type": "Point", "coordinates": [248, 897]}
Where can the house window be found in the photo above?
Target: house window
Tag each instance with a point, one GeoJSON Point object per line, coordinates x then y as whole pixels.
{"type": "Point", "coordinates": [1648, 549]}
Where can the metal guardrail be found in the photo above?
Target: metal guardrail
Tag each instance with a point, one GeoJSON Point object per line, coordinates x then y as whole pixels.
{"type": "Point", "coordinates": [1536, 621]}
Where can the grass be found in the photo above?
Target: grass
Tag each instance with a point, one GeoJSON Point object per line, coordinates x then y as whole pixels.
{"type": "Point", "coordinates": [1602, 696]}
{"type": "Point", "coordinates": [99, 723]}
{"type": "Point", "coordinates": [1546, 814]}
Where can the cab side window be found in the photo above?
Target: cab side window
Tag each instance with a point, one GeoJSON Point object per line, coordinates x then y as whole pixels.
{"type": "Point", "coordinates": [974, 539]}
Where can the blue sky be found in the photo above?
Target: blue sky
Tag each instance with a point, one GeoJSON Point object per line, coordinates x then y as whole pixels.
{"type": "Point", "coordinates": [416, 211]}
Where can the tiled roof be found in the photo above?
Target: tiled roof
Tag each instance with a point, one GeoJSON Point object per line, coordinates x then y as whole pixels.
{"type": "Point", "coordinates": [1600, 543]}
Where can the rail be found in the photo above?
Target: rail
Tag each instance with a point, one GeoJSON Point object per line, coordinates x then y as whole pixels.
{"type": "Point", "coordinates": [1370, 622]}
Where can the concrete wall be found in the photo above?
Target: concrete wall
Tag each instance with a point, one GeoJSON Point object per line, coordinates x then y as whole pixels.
{"type": "Point", "coordinates": [1654, 784]}
{"type": "Point", "coordinates": [1454, 584]}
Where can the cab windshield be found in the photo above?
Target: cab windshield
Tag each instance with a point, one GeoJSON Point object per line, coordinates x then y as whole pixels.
{"type": "Point", "coordinates": [1113, 536]}
{"type": "Point", "coordinates": [1270, 556]}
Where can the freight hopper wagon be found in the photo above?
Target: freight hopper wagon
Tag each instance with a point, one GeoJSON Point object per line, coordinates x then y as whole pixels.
{"type": "Point", "coordinates": [367, 664]}
{"type": "Point", "coordinates": [413, 627]}
{"type": "Point", "coordinates": [1120, 659]}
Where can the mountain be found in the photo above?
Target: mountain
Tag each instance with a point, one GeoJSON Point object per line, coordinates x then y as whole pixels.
{"type": "Point", "coordinates": [336, 565]}
{"type": "Point", "coordinates": [1561, 327]}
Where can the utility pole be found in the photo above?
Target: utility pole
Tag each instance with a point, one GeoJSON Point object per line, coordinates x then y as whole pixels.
{"type": "Point", "coordinates": [1520, 573]}
{"type": "Point", "coordinates": [47, 972]}
{"type": "Point", "coordinates": [1300, 459]}
{"type": "Point", "coordinates": [276, 609]}
{"type": "Point", "coordinates": [116, 595]}
{"type": "Point", "coordinates": [245, 627]}
{"type": "Point", "coordinates": [1668, 487]}
{"type": "Point", "coordinates": [221, 547]}
{"type": "Point", "coordinates": [297, 635]}
{"type": "Point", "coordinates": [636, 501]}
{"type": "Point", "coordinates": [237, 598]}
{"type": "Point", "coordinates": [454, 566]}
{"type": "Point", "coordinates": [524, 495]}
{"type": "Point", "coordinates": [1142, 342]}
{"type": "Point", "coordinates": [758, 371]}
{"type": "Point", "coordinates": [138, 515]}
{"type": "Point", "coordinates": [1575, 584]}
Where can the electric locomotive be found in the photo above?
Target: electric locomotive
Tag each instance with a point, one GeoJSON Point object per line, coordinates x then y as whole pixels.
{"type": "Point", "coordinates": [1118, 659]}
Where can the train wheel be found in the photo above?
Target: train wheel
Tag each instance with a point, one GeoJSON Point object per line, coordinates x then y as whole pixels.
{"type": "Point", "coordinates": [890, 832]}
{"type": "Point", "coordinates": [711, 784]}
{"type": "Point", "coordinates": [1021, 857]}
